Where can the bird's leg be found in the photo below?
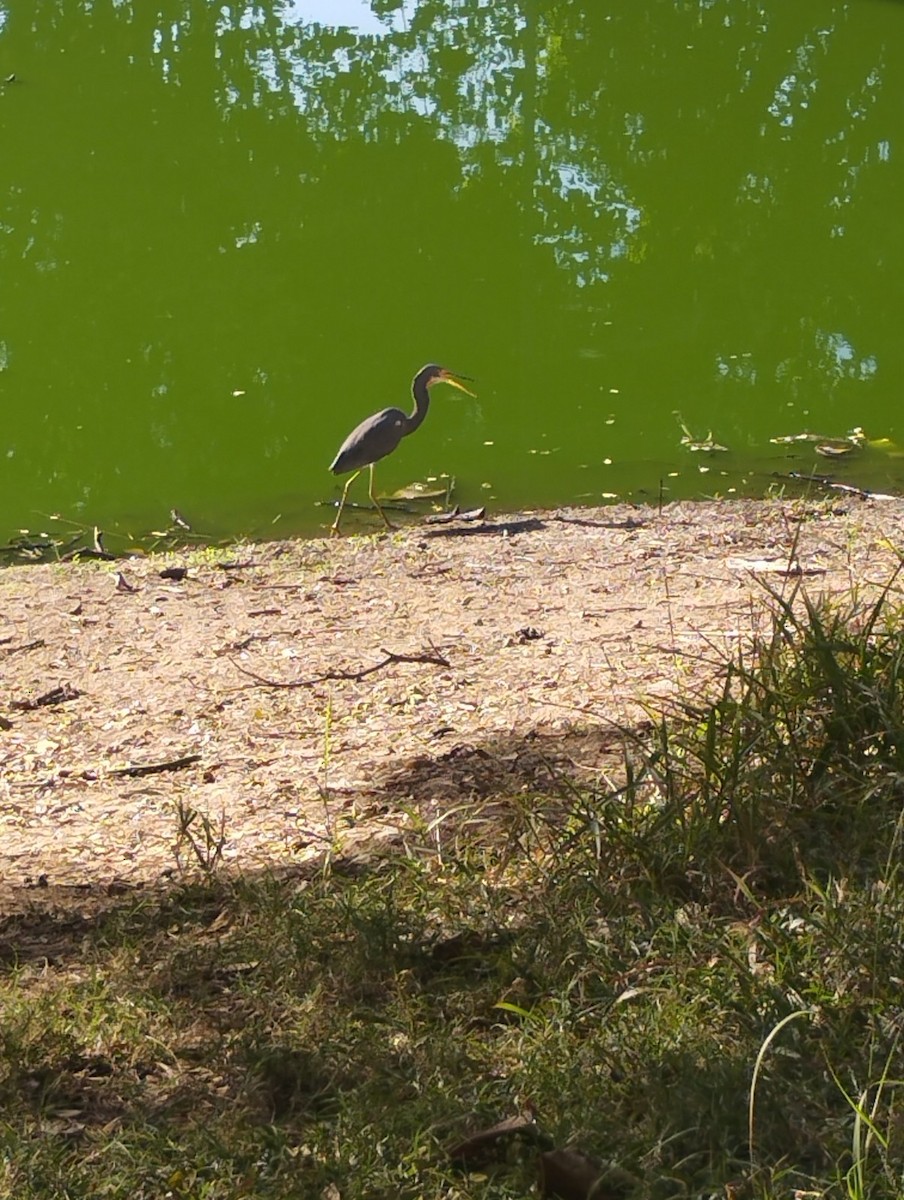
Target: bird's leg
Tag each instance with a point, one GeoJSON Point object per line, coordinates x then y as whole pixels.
{"type": "Point", "coordinates": [348, 483]}
{"type": "Point", "coordinates": [386, 520]}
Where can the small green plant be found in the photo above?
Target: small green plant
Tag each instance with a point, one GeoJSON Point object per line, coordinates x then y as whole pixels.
{"type": "Point", "coordinates": [874, 1106]}
{"type": "Point", "coordinates": [199, 840]}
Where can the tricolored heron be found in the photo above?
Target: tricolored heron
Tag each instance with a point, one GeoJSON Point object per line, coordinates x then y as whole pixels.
{"type": "Point", "coordinates": [379, 435]}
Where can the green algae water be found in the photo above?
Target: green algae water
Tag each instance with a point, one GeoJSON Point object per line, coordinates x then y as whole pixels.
{"type": "Point", "coordinates": [660, 236]}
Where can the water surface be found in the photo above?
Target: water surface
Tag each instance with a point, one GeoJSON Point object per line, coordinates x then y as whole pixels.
{"type": "Point", "coordinates": [228, 233]}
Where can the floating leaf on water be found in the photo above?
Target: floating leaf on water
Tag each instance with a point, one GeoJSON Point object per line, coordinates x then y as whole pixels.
{"type": "Point", "coordinates": [788, 438]}
{"type": "Point", "coordinates": [835, 445]}
{"type": "Point", "coordinates": [707, 445]}
{"type": "Point", "coordinates": [417, 491]}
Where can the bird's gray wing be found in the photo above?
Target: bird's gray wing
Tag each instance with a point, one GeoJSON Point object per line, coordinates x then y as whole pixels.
{"type": "Point", "coordinates": [370, 441]}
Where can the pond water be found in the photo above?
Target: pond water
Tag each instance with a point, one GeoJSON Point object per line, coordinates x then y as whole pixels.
{"type": "Point", "coordinates": [230, 232]}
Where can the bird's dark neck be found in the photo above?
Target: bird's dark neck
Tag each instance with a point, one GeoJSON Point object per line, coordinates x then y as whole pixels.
{"type": "Point", "coordinates": [421, 402]}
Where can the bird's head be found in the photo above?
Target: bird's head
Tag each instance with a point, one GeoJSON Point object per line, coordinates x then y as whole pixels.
{"type": "Point", "coordinates": [432, 374]}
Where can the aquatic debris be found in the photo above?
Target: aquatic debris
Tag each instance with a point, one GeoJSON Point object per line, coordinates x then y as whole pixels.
{"type": "Point", "coordinates": [827, 481]}
{"type": "Point", "coordinates": [828, 447]}
{"type": "Point", "coordinates": [706, 445]}
{"type": "Point", "coordinates": [418, 491]}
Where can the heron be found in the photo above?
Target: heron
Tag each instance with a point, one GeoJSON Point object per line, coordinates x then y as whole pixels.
{"type": "Point", "coordinates": [379, 434]}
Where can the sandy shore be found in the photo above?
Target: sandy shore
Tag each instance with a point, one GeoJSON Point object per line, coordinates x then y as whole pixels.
{"type": "Point", "coordinates": [320, 693]}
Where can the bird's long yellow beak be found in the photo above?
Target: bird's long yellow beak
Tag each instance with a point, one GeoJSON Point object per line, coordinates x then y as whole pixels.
{"type": "Point", "coordinates": [456, 383]}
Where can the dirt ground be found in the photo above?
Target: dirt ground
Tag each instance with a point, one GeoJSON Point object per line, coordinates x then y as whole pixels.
{"type": "Point", "coordinates": [325, 693]}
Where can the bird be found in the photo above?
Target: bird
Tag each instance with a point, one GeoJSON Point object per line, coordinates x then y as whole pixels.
{"type": "Point", "coordinates": [378, 435]}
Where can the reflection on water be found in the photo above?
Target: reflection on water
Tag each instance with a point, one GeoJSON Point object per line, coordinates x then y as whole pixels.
{"type": "Point", "coordinates": [229, 233]}
{"type": "Point", "coordinates": [351, 14]}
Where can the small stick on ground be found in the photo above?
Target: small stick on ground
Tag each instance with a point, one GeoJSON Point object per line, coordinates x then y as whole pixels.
{"type": "Point", "coordinates": [57, 695]}
{"type": "Point", "coordinates": [174, 764]}
{"type": "Point", "coordinates": [435, 659]}
{"type": "Point", "coordinates": [19, 649]}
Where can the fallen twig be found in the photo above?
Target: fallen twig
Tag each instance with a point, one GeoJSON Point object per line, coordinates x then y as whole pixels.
{"type": "Point", "coordinates": [243, 644]}
{"type": "Point", "coordinates": [25, 646]}
{"type": "Point", "coordinates": [57, 695]}
{"type": "Point", "coordinates": [442, 518]}
{"type": "Point", "coordinates": [174, 764]}
{"type": "Point", "coordinates": [849, 489]}
{"type": "Point", "coordinates": [435, 659]}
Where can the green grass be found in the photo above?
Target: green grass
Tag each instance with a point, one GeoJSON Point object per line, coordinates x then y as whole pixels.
{"type": "Point", "coordinates": [697, 978]}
